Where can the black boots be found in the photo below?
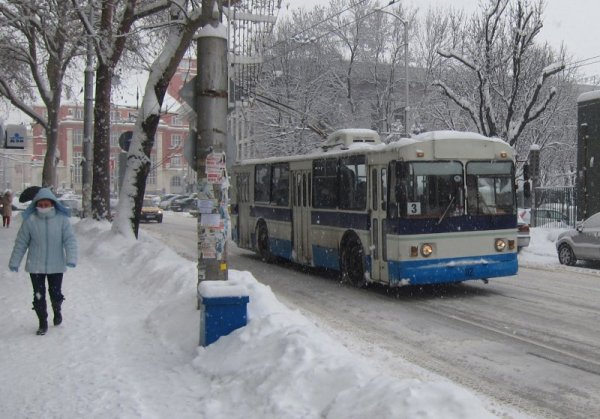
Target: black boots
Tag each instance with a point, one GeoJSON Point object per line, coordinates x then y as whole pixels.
{"type": "Point", "coordinates": [57, 315]}
{"type": "Point", "coordinates": [43, 320]}
{"type": "Point", "coordinates": [40, 309]}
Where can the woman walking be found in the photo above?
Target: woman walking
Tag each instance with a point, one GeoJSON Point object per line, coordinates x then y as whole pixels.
{"type": "Point", "coordinates": [6, 208]}
{"type": "Point", "coordinates": [47, 235]}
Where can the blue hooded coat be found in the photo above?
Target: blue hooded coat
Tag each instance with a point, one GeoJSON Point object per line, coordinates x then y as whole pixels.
{"type": "Point", "coordinates": [49, 237]}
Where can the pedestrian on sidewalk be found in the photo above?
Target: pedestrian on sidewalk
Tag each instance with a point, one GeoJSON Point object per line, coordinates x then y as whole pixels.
{"type": "Point", "coordinates": [47, 237]}
{"type": "Point", "coordinates": [6, 208]}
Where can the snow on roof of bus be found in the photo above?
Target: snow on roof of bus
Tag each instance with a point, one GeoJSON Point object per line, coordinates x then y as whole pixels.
{"type": "Point", "coordinates": [584, 97]}
{"type": "Point", "coordinates": [355, 131]}
{"type": "Point", "coordinates": [453, 135]}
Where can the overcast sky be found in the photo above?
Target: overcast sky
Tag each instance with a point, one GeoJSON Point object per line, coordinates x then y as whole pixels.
{"type": "Point", "coordinates": [574, 22]}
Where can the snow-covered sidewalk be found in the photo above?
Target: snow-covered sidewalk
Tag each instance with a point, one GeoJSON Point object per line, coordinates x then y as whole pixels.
{"type": "Point", "coordinates": [128, 348]}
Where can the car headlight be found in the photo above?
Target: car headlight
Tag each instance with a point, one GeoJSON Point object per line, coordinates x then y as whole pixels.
{"type": "Point", "coordinates": [500, 245]}
{"type": "Point", "coordinates": [426, 250]}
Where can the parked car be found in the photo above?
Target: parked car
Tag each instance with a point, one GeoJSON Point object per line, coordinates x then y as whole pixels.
{"type": "Point", "coordinates": [74, 205]}
{"type": "Point", "coordinates": [580, 243]}
{"type": "Point", "coordinates": [165, 204]}
{"type": "Point", "coordinates": [150, 212]}
{"type": "Point", "coordinates": [523, 237]}
{"type": "Point", "coordinates": [185, 204]}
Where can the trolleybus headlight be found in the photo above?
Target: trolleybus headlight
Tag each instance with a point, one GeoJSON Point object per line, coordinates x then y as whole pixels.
{"type": "Point", "coordinates": [426, 250]}
{"type": "Point", "coordinates": [500, 244]}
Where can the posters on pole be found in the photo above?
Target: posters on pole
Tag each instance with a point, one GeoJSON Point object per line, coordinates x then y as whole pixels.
{"type": "Point", "coordinates": [215, 168]}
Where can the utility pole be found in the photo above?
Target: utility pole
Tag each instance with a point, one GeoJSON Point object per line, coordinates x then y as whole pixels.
{"type": "Point", "coordinates": [211, 109]}
{"type": "Point", "coordinates": [88, 116]}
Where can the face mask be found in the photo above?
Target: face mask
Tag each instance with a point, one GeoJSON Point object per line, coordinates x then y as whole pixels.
{"type": "Point", "coordinates": [44, 210]}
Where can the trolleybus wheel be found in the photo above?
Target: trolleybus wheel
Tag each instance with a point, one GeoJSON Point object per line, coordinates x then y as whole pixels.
{"type": "Point", "coordinates": [352, 261]}
{"type": "Point", "coordinates": [262, 243]}
{"type": "Point", "coordinates": [566, 255]}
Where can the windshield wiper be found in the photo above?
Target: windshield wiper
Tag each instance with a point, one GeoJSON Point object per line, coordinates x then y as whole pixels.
{"type": "Point", "coordinates": [447, 208]}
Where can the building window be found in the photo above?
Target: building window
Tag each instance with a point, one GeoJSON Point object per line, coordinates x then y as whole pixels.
{"type": "Point", "coordinates": [175, 140]}
{"type": "Point", "coordinates": [177, 120]}
{"type": "Point", "coordinates": [78, 113]}
{"type": "Point", "coordinates": [151, 179]}
{"type": "Point", "coordinates": [176, 181]}
{"type": "Point", "coordinates": [77, 136]}
{"type": "Point", "coordinates": [115, 115]}
{"type": "Point", "coordinates": [114, 138]}
{"type": "Point", "coordinates": [175, 161]}
{"type": "Point", "coordinates": [77, 168]}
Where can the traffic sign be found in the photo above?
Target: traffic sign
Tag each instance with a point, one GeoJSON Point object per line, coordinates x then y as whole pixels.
{"type": "Point", "coordinates": [125, 140]}
{"type": "Point", "coordinates": [187, 92]}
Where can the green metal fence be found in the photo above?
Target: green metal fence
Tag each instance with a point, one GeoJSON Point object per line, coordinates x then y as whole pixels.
{"type": "Point", "coordinates": [554, 207]}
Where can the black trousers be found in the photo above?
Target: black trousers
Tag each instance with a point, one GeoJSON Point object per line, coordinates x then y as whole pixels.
{"type": "Point", "coordinates": [39, 290]}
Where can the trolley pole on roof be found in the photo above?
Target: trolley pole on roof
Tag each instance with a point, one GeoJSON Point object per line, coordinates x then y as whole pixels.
{"type": "Point", "coordinates": [211, 102]}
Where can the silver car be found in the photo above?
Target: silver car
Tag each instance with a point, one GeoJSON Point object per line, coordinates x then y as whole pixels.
{"type": "Point", "coordinates": [582, 243]}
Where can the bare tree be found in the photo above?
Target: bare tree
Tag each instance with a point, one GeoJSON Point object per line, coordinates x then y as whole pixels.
{"type": "Point", "coordinates": [39, 40]}
{"type": "Point", "coordinates": [111, 34]}
{"type": "Point", "coordinates": [502, 37]}
{"type": "Point", "coordinates": [183, 23]}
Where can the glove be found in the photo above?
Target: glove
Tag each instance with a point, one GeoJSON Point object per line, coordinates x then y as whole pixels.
{"type": "Point", "coordinates": [71, 265]}
{"type": "Point", "coordinates": [13, 268]}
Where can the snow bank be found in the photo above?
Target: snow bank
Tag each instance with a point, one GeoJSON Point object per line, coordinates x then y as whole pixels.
{"type": "Point", "coordinates": [129, 348]}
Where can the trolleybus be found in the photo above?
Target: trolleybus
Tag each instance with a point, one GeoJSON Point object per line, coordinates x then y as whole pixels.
{"type": "Point", "coordinates": [436, 208]}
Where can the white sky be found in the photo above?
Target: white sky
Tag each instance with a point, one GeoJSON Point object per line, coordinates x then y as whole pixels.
{"type": "Point", "coordinates": [128, 348]}
{"type": "Point", "coordinates": [574, 22]}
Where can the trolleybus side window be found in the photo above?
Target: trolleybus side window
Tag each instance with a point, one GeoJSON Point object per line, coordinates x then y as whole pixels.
{"type": "Point", "coordinates": [280, 184]}
{"type": "Point", "coordinates": [428, 189]}
{"type": "Point", "coordinates": [384, 189]}
{"type": "Point", "coordinates": [353, 183]}
{"type": "Point", "coordinates": [325, 190]}
{"type": "Point", "coordinates": [262, 183]}
{"type": "Point", "coordinates": [490, 189]}
{"type": "Point", "coordinates": [374, 189]}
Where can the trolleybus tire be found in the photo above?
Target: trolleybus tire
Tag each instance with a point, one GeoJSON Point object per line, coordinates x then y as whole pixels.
{"type": "Point", "coordinates": [262, 243]}
{"type": "Point", "coordinates": [566, 256]}
{"type": "Point", "coordinates": [352, 263]}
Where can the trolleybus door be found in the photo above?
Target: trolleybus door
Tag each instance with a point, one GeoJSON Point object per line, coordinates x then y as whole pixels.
{"type": "Point", "coordinates": [378, 207]}
{"type": "Point", "coordinates": [301, 201]}
{"type": "Point", "coordinates": [243, 209]}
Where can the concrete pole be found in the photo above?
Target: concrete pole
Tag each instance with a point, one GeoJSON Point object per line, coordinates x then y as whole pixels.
{"type": "Point", "coordinates": [88, 116]}
{"type": "Point", "coordinates": [406, 85]}
{"type": "Point", "coordinates": [211, 110]}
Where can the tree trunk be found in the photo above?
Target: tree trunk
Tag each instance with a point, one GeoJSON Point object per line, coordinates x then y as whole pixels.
{"type": "Point", "coordinates": [101, 176]}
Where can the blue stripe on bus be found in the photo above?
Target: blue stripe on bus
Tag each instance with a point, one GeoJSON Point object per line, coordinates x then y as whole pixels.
{"type": "Point", "coordinates": [340, 219]}
{"type": "Point", "coordinates": [461, 223]}
{"type": "Point", "coordinates": [419, 272]}
{"type": "Point", "coordinates": [271, 213]}
{"type": "Point", "coordinates": [325, 257]}
{"type": "Point", "coordinates": [281, 248]}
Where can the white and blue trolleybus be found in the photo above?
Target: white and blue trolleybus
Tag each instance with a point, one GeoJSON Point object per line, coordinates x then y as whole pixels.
{"type": "Point", "coordinates": [436, 208]}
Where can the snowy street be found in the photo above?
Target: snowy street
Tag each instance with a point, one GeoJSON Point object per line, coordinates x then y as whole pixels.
{"type": "Point", "coordinates": [530, 341]}
{"type": "Point", "coordinates": [128, 347]}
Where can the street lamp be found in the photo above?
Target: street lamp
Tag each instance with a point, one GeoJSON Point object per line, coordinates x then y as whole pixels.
{"type": "Point", "coordinates": [405, 23]}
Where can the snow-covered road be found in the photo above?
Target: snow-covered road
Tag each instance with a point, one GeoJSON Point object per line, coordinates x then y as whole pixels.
{"type": "Point", "coordinates": [530, 341]}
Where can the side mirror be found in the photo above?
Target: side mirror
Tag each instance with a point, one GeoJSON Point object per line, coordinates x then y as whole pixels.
{"type": "Point", "coordinates": [579, 228]}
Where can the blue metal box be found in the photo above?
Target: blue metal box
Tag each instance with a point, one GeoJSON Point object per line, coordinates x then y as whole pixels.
{"type": "Point", "coordinates": [220, 316]}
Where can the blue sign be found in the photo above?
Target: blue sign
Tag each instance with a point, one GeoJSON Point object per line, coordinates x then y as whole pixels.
{"type": "Point", "coordinates": [15, 136]}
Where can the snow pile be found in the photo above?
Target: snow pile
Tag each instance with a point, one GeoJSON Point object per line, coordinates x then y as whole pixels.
{"type": "Point", "coordinates": [128, 348]}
